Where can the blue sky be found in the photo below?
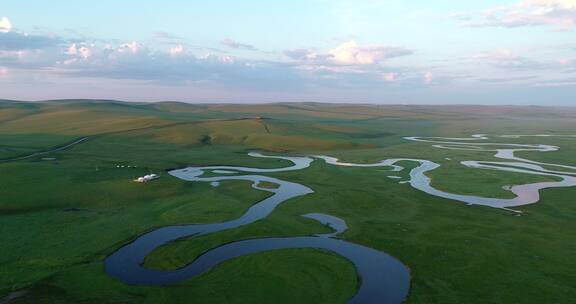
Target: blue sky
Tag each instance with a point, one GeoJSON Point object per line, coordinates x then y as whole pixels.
{"type": "Point", "coordinates": [378, 51]}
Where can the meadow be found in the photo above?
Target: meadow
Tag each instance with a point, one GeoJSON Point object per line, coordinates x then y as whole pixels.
{"type": "Point", "coordinates": [62, 213]}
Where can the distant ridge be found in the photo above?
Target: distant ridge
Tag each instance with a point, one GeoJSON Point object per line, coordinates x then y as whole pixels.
{"type": "Point", "coordinates": [288, 104]}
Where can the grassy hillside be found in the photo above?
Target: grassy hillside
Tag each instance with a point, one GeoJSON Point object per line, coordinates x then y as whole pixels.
{"type": "Point", "coordinates": [62, 213]}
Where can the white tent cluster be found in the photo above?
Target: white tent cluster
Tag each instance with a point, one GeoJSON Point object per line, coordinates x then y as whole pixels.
{"type": "Point", "coordinates": [125, 166]}
{"type": "Point", "coordinates": [147, 178]}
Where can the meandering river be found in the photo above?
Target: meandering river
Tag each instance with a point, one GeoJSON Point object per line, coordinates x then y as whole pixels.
{"type": "Point", "coordinates": [383, 279]}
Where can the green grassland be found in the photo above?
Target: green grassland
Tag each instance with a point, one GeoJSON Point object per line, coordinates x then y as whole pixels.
{"type": "Point", "coordinates": [60, 217]}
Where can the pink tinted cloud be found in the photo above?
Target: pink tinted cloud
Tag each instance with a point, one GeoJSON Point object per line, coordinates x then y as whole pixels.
{"type": "Point", "coordinates": [560, 15]}
{"type": "Point", "coordinates": [350, 53]}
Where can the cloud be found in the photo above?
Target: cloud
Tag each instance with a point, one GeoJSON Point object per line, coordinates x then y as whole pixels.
{"type": "Point", "coordinates": [350, 66]}
{"type": "Point", "coordinates": [506, 79]}
{"type": "Point", "coordinates": [507, 59]}
{"type": "Point", "coordinates": [174, 63]}
{"type": "Point", "coordinates": [177, 50]}
{"type": "Point", "coordinates": [560, 15]}
{"type": "Point", "coordinates": [298, 54]}
{"type": "Point", "coordinates": [180, 66]}
{"type": "Point", "coordinates": [23, 41]}
{"type": "Point", "coordinates": [131, 47]}
{"type": "Point", "coordinates": [309, 57]}
{"type": "Point", "coordinates": [172, 66]}
{"type": "Point", "coordinates": [82, 51]}
{"type": "Point", "coordinates": [349, 53]}
{"type": "Point", "coordinates": [237, 45]}
{"type": "Point", "coordinates": [134, 61]}
{"type": "Point", "coordinates": [16, 41]}
{"type": "Point", "coordinates": [5, 25]}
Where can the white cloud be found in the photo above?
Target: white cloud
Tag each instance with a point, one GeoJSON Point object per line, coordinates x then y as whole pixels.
{"type": "Point", "coordinates": [350, 53]}
{"type": "Point", "coordinates": [79, 50]}
{"type": "Point", "coordinates": [3, 72]}
{"type": "Point", "coordinates": [306, 55]}
{"type": "Point", "coordinates": [176, 50]}
{"type": "Point", "coordinates": [571, 4]}
{"type": "Point", "coordinates": [5, 25]}
{"type": "Point", "coordinates": [132, 47]}
{"type": "Point", "coordinates": [558, 14]}
{"type": "Point", "coordinates": [173, 66]}
{"type": "Point", "coordinates": [348, 65]}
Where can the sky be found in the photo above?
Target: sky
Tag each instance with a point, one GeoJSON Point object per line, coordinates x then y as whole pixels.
{"type": "Point", "coordinates": [356, 51]}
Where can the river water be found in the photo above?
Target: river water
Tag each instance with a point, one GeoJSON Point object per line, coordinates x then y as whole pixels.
{"type": "Point", "coordinates": [383, 279]}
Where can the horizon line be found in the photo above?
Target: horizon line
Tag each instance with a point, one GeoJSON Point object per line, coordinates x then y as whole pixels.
{"type": "Point", "coordinates": [282, 102]}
